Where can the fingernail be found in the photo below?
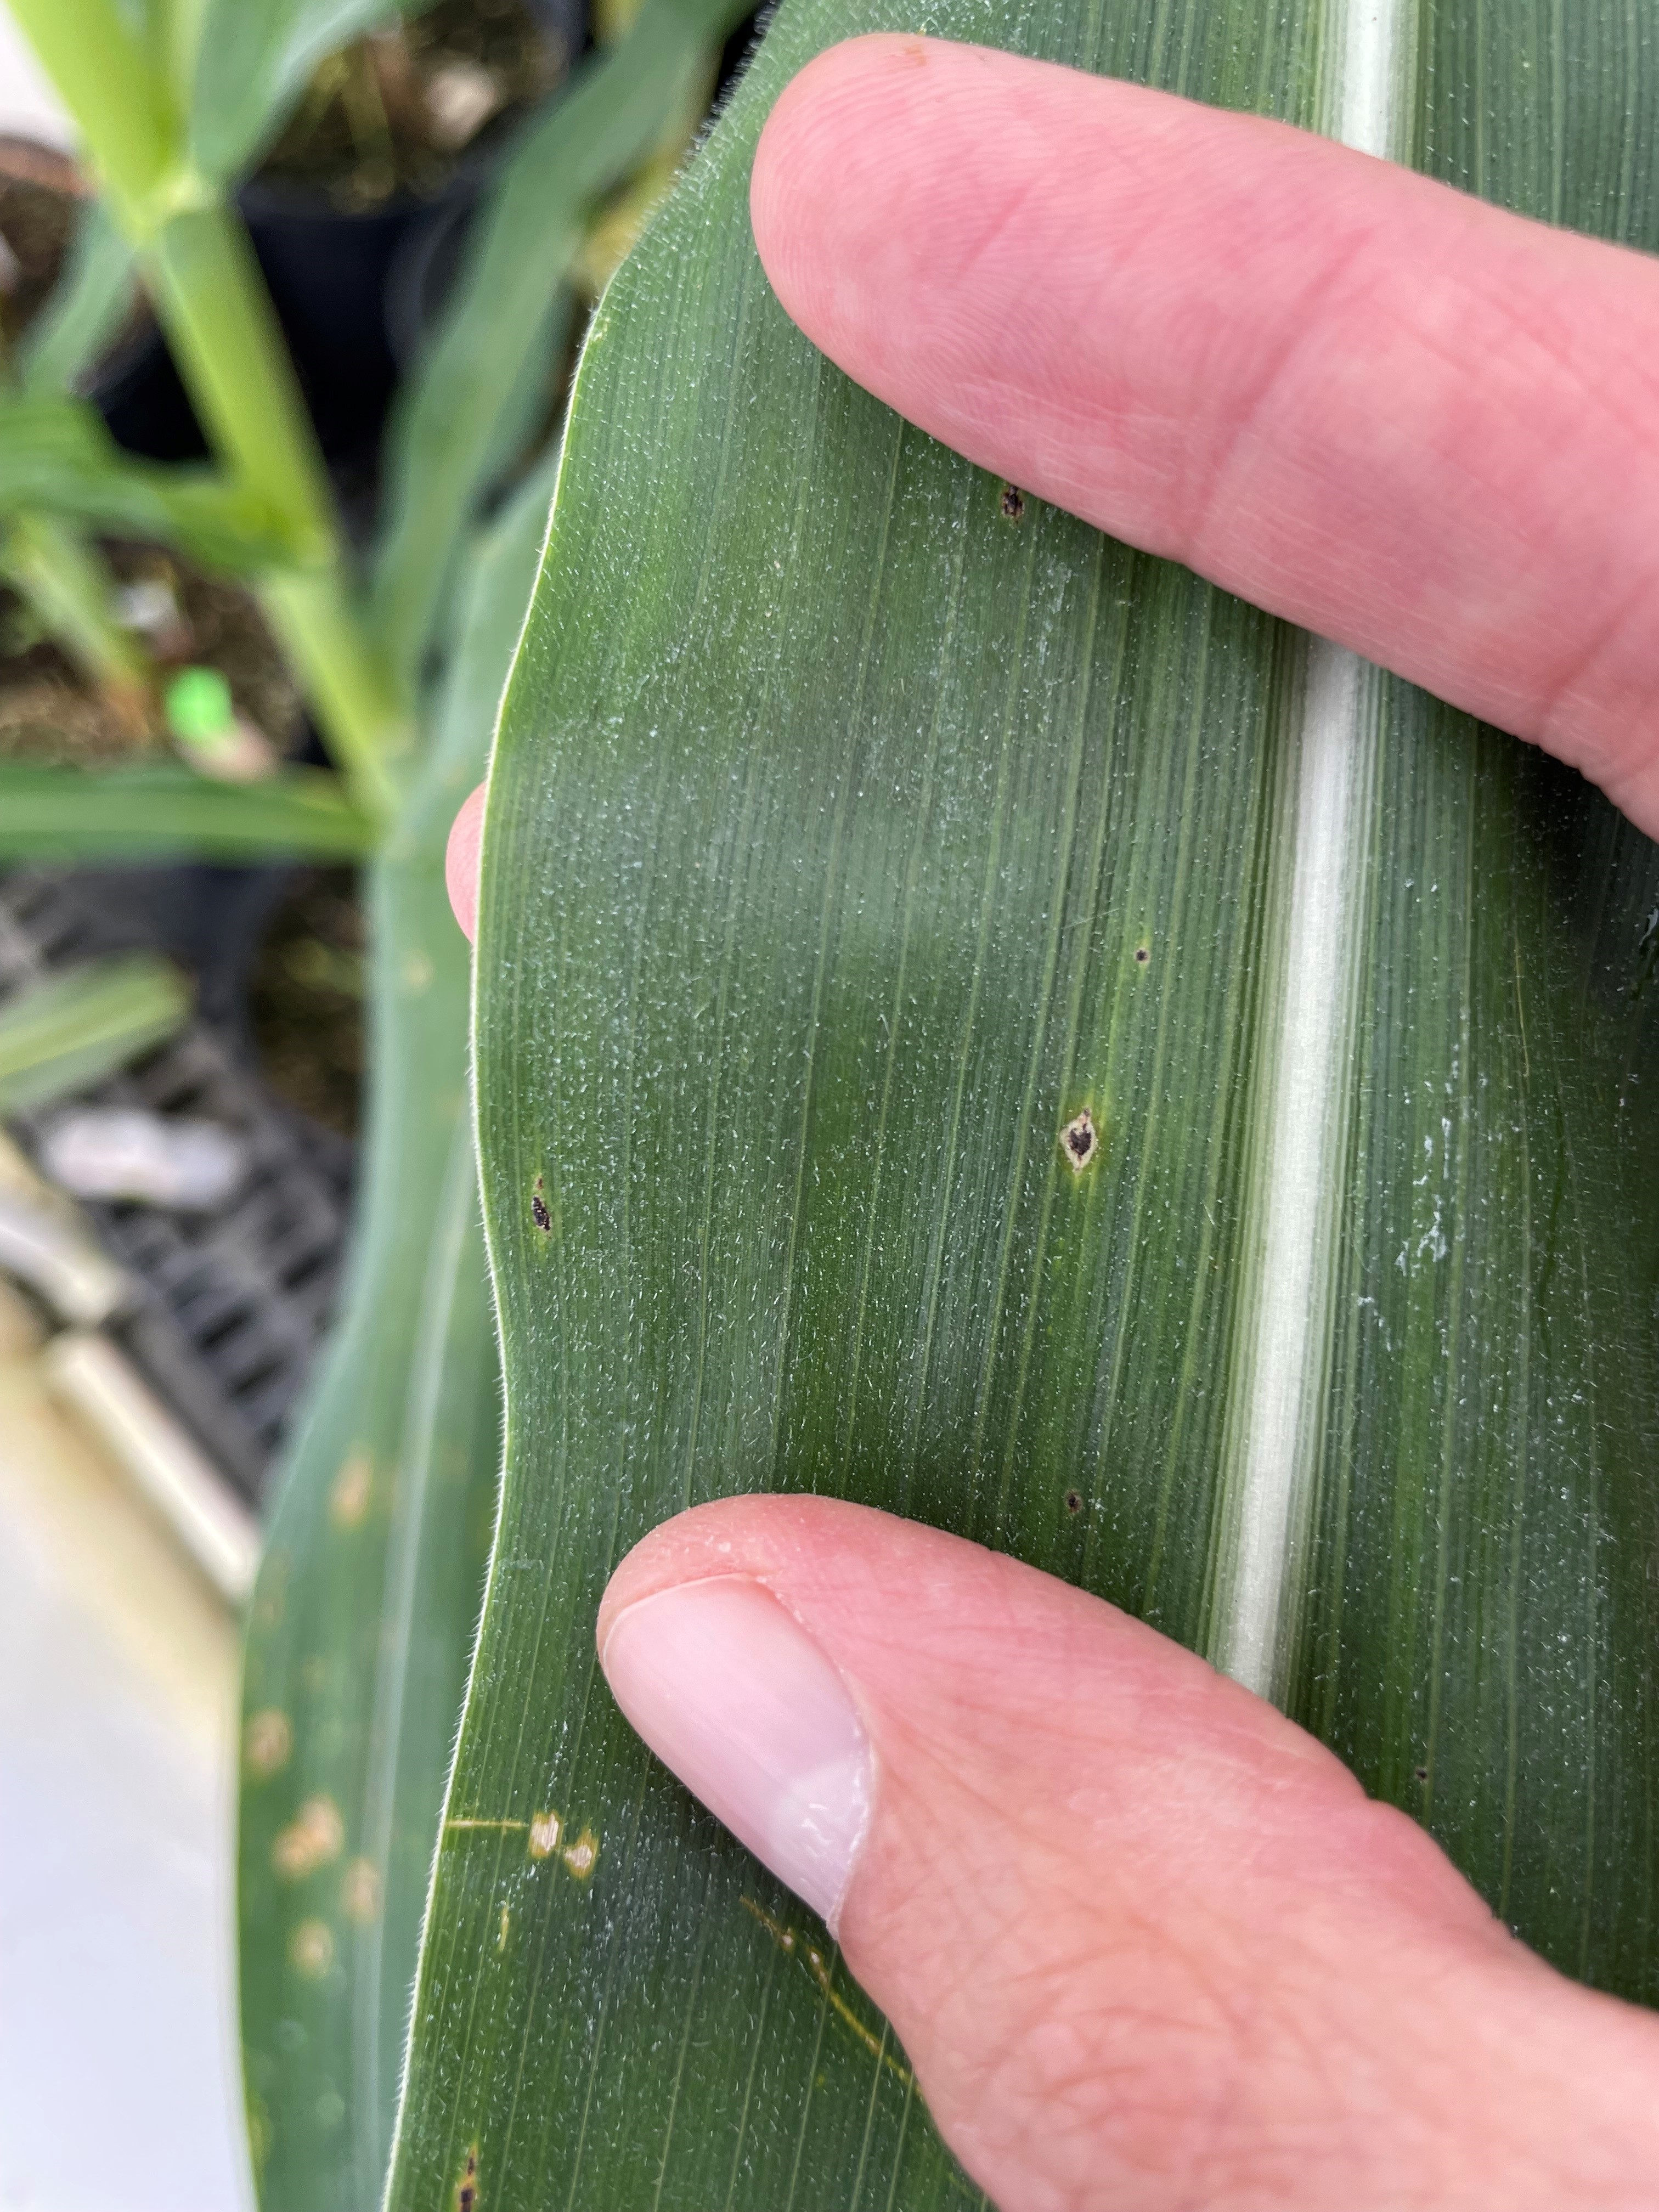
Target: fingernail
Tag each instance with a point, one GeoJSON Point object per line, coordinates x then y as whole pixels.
{"type": "Point", "coordinates": [730, 1692]}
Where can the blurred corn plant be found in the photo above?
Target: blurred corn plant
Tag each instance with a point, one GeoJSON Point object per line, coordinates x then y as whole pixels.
{"type": "Point", "coordinates": [1138, 1087]}
{"type": "Point", "coordinates": [366, 1606]}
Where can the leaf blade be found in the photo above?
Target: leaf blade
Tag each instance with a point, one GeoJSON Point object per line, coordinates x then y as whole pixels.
{"type": "Point", "coordinates": [811, 919]}
{"type": "Point", "coordinates": [70, 1030]}
{"type": "Point", "coordinates": [475, 387]}
{"type": "Point", "coordinates": [378, 1543]}
{"type": "Point", "coordinates": [162, 808]}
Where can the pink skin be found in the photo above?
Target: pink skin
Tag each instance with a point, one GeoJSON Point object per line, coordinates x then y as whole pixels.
{"type": "Point", "coordinates": [1148, 1944]}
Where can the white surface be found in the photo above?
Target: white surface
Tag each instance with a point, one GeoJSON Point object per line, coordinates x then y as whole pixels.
{"type": "Point", "coordinates": [97, 1380]}
{"type": "Point", "coordinates": [119, 2089]}
{"type": "Point", "coordinates": [29, 108]}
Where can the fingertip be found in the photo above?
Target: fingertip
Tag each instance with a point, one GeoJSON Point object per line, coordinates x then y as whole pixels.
{"type": "Point", "coordinates": [817, 200]}
{"type": "Point", "coordinates": [461, 861]}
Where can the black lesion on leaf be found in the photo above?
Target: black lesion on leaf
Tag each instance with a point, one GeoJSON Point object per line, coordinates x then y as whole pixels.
{"type": "Point", "coordinates": [1079, 1142]}
{"type": "Point", "coordinates": [1143, 954]}
{"type": "Point", "coordinates": [539, 1213]}
{"type": "Point", "coordinates": [1012, 502]}
{"type": "Point", "coordinates": [1074, 1501]}
{"type": "Point", "coordinates": [466, 2189]}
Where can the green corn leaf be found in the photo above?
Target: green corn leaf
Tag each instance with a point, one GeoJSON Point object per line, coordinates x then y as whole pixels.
{"type": "Point", "coordinates": [71, 1030]}
{"type": "Point", "coordinates": [86, 309]}
{"type": "Point", "coordinates": [850, 837]}
{"type": "Point", "coordinates": [164, 809]}
{"type": "Point", "coordinates": [70, 592]}
{"type": "Point", "coordinates": [481, 382]}
{"type": "Point", "coordinates": [56, 455]}
{"type": "Point", "coordinates": [362, 1619]}
{"type": "Point", "coordinates": [251, 60]}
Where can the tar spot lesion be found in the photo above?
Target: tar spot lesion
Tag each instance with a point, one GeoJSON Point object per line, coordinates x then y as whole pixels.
{"type": "Point", "coordinates": [539, 1213]}
{"type": "Point", "coordinates": [1079, 1142]}
{"type": "Point", "coordinates": [1012, 502]}
{"type": "Point", "coordinates": [1143, 954]}
{"type": "Point", "coordinates": [466, 2189]}
{"type": "Point", "coordinates": [1074, 1501]}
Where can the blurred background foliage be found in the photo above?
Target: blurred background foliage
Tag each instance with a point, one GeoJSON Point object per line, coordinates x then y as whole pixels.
{"type": "Point", "coordinates": [285, 354]}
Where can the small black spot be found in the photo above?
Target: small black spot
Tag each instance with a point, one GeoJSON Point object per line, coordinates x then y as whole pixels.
{"type": "Point", "coordinates": [1013, 503]}
{"type": "Point", "coordinates": [1421, 1772]}
{"type": "Point", "coordinates": [466, 2192]}
{"type": "Point", "coordinates": [1080, 1140]}
{"type": "Point", "coordinates": [539, 1213]}
{"type": "Point", "coordinates": [1074, 1501]}
{"type": "Point", "coordinates": [1142, 956]}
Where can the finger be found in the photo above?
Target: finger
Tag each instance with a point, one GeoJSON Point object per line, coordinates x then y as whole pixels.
{"type": "Point", "coordinates": [461, 860]}
{"type": "Point", "coordinates": [1413, 423]}
{"type": "Point", "coordinates": [1146, 1942]}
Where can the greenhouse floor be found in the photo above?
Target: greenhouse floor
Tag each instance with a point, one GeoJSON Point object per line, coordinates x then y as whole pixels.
{"type": "Point", "coordinates": [119, 2085]}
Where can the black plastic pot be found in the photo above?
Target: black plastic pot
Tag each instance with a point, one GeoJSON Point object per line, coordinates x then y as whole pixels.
{"type": "Point", "coordinates": [327, 274]}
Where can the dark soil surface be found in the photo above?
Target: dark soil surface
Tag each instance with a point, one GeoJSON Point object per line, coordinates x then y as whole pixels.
{"type": "Point", "coordinates": [394, 114]}
{"type": "Point", "coordinates": [306, 1001]}
{"type": "Point", "coordinates": [48, 713]}
{"type": "Point", "coordinates": [40, 203]}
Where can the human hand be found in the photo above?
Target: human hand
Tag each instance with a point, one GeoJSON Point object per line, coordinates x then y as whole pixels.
{"type": "Point", "coordinates": [1146, 1942]}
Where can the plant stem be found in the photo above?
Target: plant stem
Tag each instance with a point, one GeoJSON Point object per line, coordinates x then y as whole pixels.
{"type": "Point", "coordinates": [219, 321]}
{"type": "Point", "coordinates": [231, 352]}
{"type": "Point", "coordinates": [111, 88]}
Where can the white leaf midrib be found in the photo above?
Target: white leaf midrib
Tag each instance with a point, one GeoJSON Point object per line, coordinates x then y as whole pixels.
{"type": "Point", "coordinates": [1294, 1217]}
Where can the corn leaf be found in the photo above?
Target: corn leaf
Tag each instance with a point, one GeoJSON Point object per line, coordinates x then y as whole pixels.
{"type": "Point", "coordinates": [71, 1030]}
{"type": "Point", "coordinates": [363, 1618]}
{"type": "Point", "coordinates": [248, 63]}
{"type": "Point", "coordinates": [483, 378]}
{"type": "Point", "coordinates": [56, 455]}
{"type": "Point", "coordinates": [849, 838]}
{"type": "Point", "coordinates": [86, 310]}
{"type": "Point", "coordinates": [163, 808]}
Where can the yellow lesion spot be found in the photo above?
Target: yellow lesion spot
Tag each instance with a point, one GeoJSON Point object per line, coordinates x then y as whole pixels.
{"type": "Point", "coordinates": [349, 1499]}
{"type": "Point", "coordinates": [466, 2189]}
{"type": "Point", "coordinates": [311, 1949]}
{"type": "Point", "coordinates": [360, 1891]}
{"type": "Point", "coordinates": [543, 1832]}
{"type": "Point", "coordinates": [507, 1922]}
{"type": "Point", "coordinates": [312, 1839]}
{"type": "Point", "coordinates": [417, 971]}
{"type": "Point", "coordinates": [267, 1741]}
{"type": "Point", "coordinates": [794, 1945]}
{"type": "Point", "coordinates": [582, 1857]}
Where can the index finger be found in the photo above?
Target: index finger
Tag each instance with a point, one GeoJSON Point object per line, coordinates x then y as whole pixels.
{"type": "Point", "coordinates": [1402, 418]}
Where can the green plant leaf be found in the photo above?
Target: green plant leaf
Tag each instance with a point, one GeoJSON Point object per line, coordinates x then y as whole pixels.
{"type": "Point", "coordinates": [70, 592]}
{"type": "Point", "coordinates": [85, 311]}
{"type": "Point", "coordinates": [852, 832]}
{"type": "Point", "coordinates": [164, 809]}
{"type": "Point", "coordinates": [251, 58]}
{"type": "Point", "coordinates": [363, 1616]}
{"type": "Point", "coordinates": [56, 455]}
{"type": "Point", "coordinates": [72, 1030]}
{"type": "Point", "coordinates": [481, 380]}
